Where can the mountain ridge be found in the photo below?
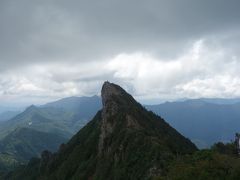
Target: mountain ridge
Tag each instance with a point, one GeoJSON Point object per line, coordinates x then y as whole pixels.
{"type": "Point", "coordinates": [123, 141]}
{"type": "Point", "coordinates": [22, 144]}
{"type": "Point", "coordinates": [59, 120]}
{"type": "Point", "coordinates": [218, 121]}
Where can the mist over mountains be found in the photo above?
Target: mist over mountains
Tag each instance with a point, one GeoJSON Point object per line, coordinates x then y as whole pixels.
{"type": "Point", "coordinates": [6, 115]}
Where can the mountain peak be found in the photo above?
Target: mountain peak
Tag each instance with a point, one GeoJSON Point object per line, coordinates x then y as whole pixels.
{"type": "Point", "coordinates": [109, 90]}
{"type": "Point", "coordinates": [114, 99]}
{"type": "Point", "coordinates": [122, 111]}
{"type": "Point", "coordinates": [123, 141]}
{"type": "Point", "coordinates": [114, 96]}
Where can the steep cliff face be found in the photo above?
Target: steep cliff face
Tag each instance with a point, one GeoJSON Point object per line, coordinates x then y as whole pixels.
{"type": "Point", "coordinates": [123, 141]}
{"type": "Point", "coordinates": [115, 102]}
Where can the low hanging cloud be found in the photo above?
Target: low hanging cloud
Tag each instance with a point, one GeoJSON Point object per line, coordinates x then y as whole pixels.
{"type": "Point", "coordinates": [201, 71]}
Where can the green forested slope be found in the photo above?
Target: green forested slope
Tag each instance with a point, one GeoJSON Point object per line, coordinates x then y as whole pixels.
{"type": "Point", "coordinates": [123, 141]}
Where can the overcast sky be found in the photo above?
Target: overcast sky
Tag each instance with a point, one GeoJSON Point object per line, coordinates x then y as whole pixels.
{"type": "Point", "coordinates": [156, 49]}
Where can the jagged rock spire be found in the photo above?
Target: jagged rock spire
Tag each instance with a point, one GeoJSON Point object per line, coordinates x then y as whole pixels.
{"type": "Point", "coordinates": [113, 95]}
{"type": "Point", "coordinates": [108, 90]}
{"type": "Point", "coordinates": [123, 141]}
{"type": "Point", "coordinates": [116, 101]}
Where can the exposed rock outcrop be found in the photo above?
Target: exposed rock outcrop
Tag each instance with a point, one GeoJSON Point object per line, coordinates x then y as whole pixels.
{"type": "Point", "coordinates": [123, 141]}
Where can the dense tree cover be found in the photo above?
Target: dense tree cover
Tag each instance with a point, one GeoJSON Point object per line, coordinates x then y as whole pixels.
{"type": "Point", "coordinates": [221, 162]}
{"type": "Point", "coordinates": [123, 141]}
{"type": "Point", "coordinates": [24, 143]}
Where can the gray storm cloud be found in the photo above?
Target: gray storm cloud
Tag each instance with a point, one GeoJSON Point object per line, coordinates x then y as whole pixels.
{"type": "Point", "coordinates": [62, 48]}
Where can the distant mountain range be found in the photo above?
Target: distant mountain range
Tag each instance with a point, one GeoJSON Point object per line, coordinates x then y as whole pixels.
{"type": "Point", "coordinates": [204, 121]}
{"type": "Point", "coordinates": [10, 108]}
{"type": "Point", "coordinates": [57, 120]}
{"type": "Point", "coordinates": [217, 118]}
{"type": "Point", "coordinates": [123, 141]}
{"type": "Point", "coordinates": [63, 117]}
{"type": "Point", "coordinates": [210, 100]}
{"type": "Point", "coordinates": [6, 115]}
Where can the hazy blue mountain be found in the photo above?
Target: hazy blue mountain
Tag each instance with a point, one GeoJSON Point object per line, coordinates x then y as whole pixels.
{"type": "Point", "coordinates": [76, 103]}
{"type": "Point", "coordinates": [83, 107]}
{"type": "Point", "coordinates": [217, 100]}
{"type": "Point", "coordinates": [61, 118]}
{"type": "Point", "coordinates": [65, 116]}
{"type": "Point", "coordinates": [203, 122]}
{"type": "Point", "coordinates": [10, 108]}
{"type": "Point", "coordinates": [217, 118]}
{"type": "Point", "coordinates": [6, 115]}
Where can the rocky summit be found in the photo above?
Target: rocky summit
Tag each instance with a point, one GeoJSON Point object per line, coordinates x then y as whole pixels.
{"type": "Point", "coordinates": [123, 141]}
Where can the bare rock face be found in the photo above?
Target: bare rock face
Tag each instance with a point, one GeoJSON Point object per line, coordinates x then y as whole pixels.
{"type": "Point", "coordinates": [110, 108]}
{"type": "Point", "coordinates": [123, 141]}
{"type": "Point", "coordinates": [125, 123]}
{"type": "Point", "coordinates": [108, 91]}
{"type": "Point", "coordinates": [115, 101]}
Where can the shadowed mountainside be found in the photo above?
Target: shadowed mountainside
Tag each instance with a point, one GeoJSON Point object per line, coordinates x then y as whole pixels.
{"type": "Point", "coordinates": [123, 141]}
